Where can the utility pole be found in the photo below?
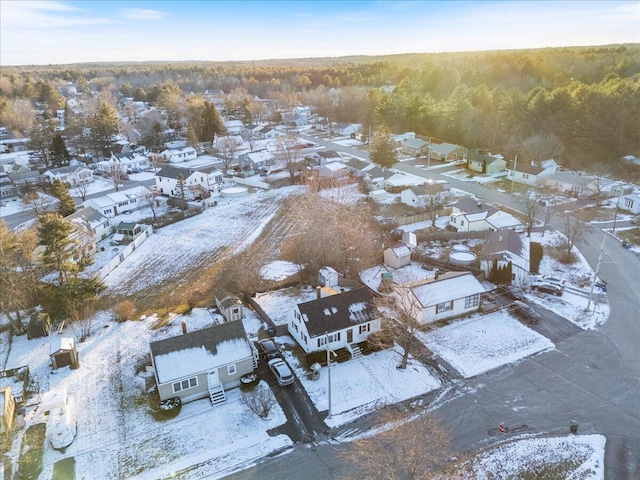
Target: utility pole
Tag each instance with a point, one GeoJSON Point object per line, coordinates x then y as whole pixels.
{"type": "Point", "coordinates": [513, 172]}
{"type": "Point", "coordinates": [615, 214]}
{"type": "Point", "coordinates": [595, 275]}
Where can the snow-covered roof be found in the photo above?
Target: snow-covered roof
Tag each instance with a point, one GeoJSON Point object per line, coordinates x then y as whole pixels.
{"type": "Point", "coordinates": [571, 178]}
{"type": "Point", "coordinates": [200, 351]}
{"type": "Point", "coordinates": [447, 287]}
{"type": "Point", "coordinates": [504, 221]}
{"type": "Point", "coordinates": [400, 250]}
{"type": "Point", "coordinates": [444, 148]}
{"type": "Point", "coordinates": [61, 343]}
{"type": "Point", "coordinates": [334, 166]}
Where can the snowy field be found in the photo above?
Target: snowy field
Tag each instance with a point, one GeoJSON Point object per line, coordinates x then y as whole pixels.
{"type": "Point", "coordinates": [279, 270]}
{"type": "Point", "coordinates": [278, 303]}
{"type": "Point", "coordinates": [117, 436]}
{"type": "Point", "coordinates": [362, 385]}
{"type": "Point", "coordinates": [482, 343]}
{"type": "Point", "coordinates": [574, 457]}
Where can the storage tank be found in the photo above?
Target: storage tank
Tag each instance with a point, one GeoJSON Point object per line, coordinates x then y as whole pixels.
{"type": "Point", "coordinates": [462, 258]}
{"type": "Point", "coordinates": [234, 192]}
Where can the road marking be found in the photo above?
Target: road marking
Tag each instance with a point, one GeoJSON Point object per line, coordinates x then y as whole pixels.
{"type": "Point", "coordinates": [568, 356]}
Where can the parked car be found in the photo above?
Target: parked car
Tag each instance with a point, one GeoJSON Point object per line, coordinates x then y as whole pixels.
{"type": "Point", "coordinates": [281, 371]}
{"type": "Point", "coordinates": [546, 287]}
{"type": "Point", "coordinates": [525, 312]}
{"type": "Point", "coordinates": [510, 292]}
{"type": "Point", "coordinates": [551, 279]}
{"type": "Point", "coordinates": [267, 348]}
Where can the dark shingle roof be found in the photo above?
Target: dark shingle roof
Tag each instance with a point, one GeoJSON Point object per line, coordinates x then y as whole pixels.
{"type": "Point", "coordinates": [339, 311]}
{"type": "Point", "coordinates": [469, 205]}
{"type": "Point", "coordinates": [174, 172]}
{"type": "Point", "coordinates": [527, 168]}
{"type": "Point", "coordinates": [357, 163]}
{"type": "Point", "coordinates": [208, 338]}
{"type": "Point", "coordinates": [501, 241]}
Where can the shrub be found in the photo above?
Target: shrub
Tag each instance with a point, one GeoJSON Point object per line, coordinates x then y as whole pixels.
{"type": "Point", "coordinates": [535, 256]}
{"type": "Point", "coordinates": [124, 310]}
{"type": "Point", "coordinates": [170, 408]}
{"type": "Point", "coordinates": [249, 381]}
{"type": "Point", "coordinates": [259, 400]}
{"type": "Point", "coordinates": [377, 341]}
{"type": "Point", "coordinates": [320, 356]}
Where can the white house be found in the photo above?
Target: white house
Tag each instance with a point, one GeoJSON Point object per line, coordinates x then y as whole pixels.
{"type": "Point", "coordinates": [203, 363]}
{"type": "Point", "coordinates": [195, 182]}
{"type": "Point", "coordinates": [71, 175]}
{"type": "Point", "coordinates": [358, 167]}
{"type": "Point", "coordinates": [332, 170]}
{"type": "Point", "coordinates": [397, 255]}
{"type": "Point", "coordinates": [255, 160]}
{"type": "Point", "coordinates": [529, 174]}
{"type": "Point", "coordinates": [112, 204]}
{"type": "Point", "coordinates": [234, 127]}
{"type": "Point", "coordinates": [347, 129]}
{"type": "Point", "coordinates": [506, 246]}
{"type": "Point", "coordinates": [468, 215]}
{"type": "Point", "coordinates": [630, 203]}
{"type": "Point", "coordinates": [375, 178]}
{"type": "Point", "coordinates": [571, 184]}
{"type": "Point", "coordinates": [424, 196]}
{"type": "Point", "coordinates": [180, 154]}
{"type": "Point", "coordinates": [444, 296]}
{"type": "Point", "coordinates": [130, 162]}
{"type": "Point", "coordinates": [337, 321]}
{"type": "Point", "coordinates": [90, 218]}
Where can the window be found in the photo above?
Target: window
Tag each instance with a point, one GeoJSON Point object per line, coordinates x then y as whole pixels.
{"type": "Point", "coordinates": [295, 325]}
{"type": "Point", "coordinates": [444, 307]}
{"type": "Point", "coordinates": [231, 369]}
{"type": "Point", "coordinates": [235, 310]}
{"type": "Point", "coordinates": [628, 203]}
{"type": "Point", "coordinates": [185, 384]}
{"type": "Point", "coordinates": [365, 328]}
{"type": "Point", "coordinates": [322, 341]}
{"type": "Point", "coordinates": [471, 301]}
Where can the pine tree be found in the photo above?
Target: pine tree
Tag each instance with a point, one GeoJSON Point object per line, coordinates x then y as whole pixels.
{"type": "Point", "coordinates": [54, 233]}
{"type": "Point", "coordinates": [212, 124]}
{"type": "Point", "coordinates": [383, 149]}
{"type": "Point", "coordinates": [104, 126]}
{"type": "Point", "coordinates": [59, 154]}
{"type": "Point", "coordinates": [61, 192]}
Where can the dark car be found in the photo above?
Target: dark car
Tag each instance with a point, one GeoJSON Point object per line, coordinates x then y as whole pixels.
{"type": "Point", "coordinates": [267, 348]}
{"type": "Point", "coordinates": [525, 312]}
{"type": "Point", "coordinates": [546, 287]}
{"type": "Point", "coordinates": [510, 292]}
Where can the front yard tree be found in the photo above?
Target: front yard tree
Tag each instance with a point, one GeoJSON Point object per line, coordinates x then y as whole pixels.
{"type": "Point", "coordinates": [573, 229]}
{"type": "Point", "coordinates": [212, 124]}
{"type": "Point", "coordinates": [531, 206]}
{"type": "Point", "coordinates": [417, 449]}
{"type": "Point", "coordinates": [289, 155]}
{"type": "Point", "coordinates": [104, 127]}
{"type": "Point", "coordinates": [18, 282]}
{"type": "Point", "coordinates": [59, 154]}
{"type": "Point", "coordinates": [55, 234]}
{"type": "Point", "coordinates": [41, 139]}
{"type": "Point", "coordinates": [182, 192]}
{"type": "Point", "coordinates": [383, 148]}
{"type": "Point", "coordinates": [59, 190]}
{"type": "Point", "coordinates": [227, 148]}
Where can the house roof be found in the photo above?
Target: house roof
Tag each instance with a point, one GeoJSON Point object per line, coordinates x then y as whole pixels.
{"type": "Point", "coordinates": [571, 178]}
{"type": "Point", "coordinates": [433, 188]}
{"type": "Point", "coordinates": [377, 172]}
{"type": "Point", "coordinates": [174, 172]}
{"type": "Point", "coordinates": [337, 312]}
{"type": "Point", "coordinates": [89, 215]}
{"type": "Point", "coordinates": [358, 164]}
{"type": "Point", "coordinates": [481, 157]}
{"type": "Point", "coordinates": [333, 166]}
{"type": "Point", "coordinates": [524, 167]}
{"type": "Point", "coordinates": [329, 154]}
{"type": "Point", "coordinates": [414, 143]}
{"type": "Point", "coordinates": [66, 170]}
{"type": "Point", "coordinates": [61, 344]}
{"type": "Point", "coordinates": [447, 287]}
{"type": "Point", "coordinates": [469, 205]}
{"type": "Point", "coordinates": [180, 149]}
{"type": "Point", "coordinates": [502, 241]}
{"type": "Point", "coordinates": [444, 148]}
{"type": "Point", "coordinates": [400, 250]}
{"type": "Point", "coordinates": [117, 197]}
{"type": "Point", "coordinates": [199, 351]}
{"type": "Point", "coordinates": [506, 220]}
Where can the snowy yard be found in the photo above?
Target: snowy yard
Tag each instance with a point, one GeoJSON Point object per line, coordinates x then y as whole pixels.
{"type": "Point", "coordinates": [278, 303]}
{"type": "Point", "coordinates": [117, 435]}
{"type": "Point", "coordinates": [362, 385]}
{"type": "Point", "coordinates": [482, 343]}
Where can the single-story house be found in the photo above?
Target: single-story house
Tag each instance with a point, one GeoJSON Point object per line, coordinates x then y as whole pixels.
{"type": "Point", "coordinates": [8, 189]}
{"type": "Point", "coordinates": [506, 246]}
{"type": "Point", "coordinates": [195, 182]}
{"type": "Point", "coordinates": [130, 162]}
{"type": "Point", "coordinates": [424, 195]}
{"type": "Point", "coordinates": [234, 127]}
{"type": "Point", "coordinates": [358, 167]}
{"type": "Point", "coordinates": [376, 178]}
{"type": "Point", "coordinates": [397, 255]}
{"type": "Point", "coordinates": [179, 154]}
{"type": "Point", "coordinates": [571, 184]}
{"type": "Point", "coordinates": [323, 157]}
{"type": "Point", "coordinates": [301, 110]}
{"type": "Point", "coordinates": [7, 410]}
{"type": "Point", "coordinates": [328, 277]}
{"type": "Point", "coordinates": [39, 325]}
{"type": "Point", "coordinates": [333, 322]}
{"type": "Point", "coordinates": [630, 203]}
{"type": "Point", "coordinates": [203, 363]}
{"type": "Point", "coordinates": [122, 201]}
{"type": "Point", "coordinates": [256, 160]}
{"type": "Point", "coordinates": [440, 297]}
{"type": "Point", "coordinates": [347, 129]}
{"type": "Point", "coordinates": [129, 231]}
{"type": "Point", "coordinates": [528, 173]}
{"type": "Point", "coordinates": [468, 215]}
{"type": "Point", "coordinates": [482, 163]}
{"type": "Point", "coordinates": [401, 181]}
{"type": "Point", "coordinates": [415, 146]}
{"type": "Point", "coordinates": [89, 218]}
{"type": "Point", "coordinates": [230, 306]}
{"type": "Point", "coordinates": [446, 152]}
{"type": "Point", "coordinates": [268, 132]}
{"type": "Point", "coordinates": [70, 175]}
{"type": "Point", "coordinates": [332, 170]}
{"type": "Point", "coordinates": [62, 352]}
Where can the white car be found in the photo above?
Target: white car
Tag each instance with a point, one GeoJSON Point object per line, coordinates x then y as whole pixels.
{"type": "Point", "coordinates": [281, 371]}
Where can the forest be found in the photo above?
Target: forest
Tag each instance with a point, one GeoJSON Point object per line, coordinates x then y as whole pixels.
{"type": "Point", "coordinates": [579, 105]}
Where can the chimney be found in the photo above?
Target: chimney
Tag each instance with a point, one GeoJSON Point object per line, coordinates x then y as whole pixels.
{"type": "Point", "coordinates": [318, 293]}
{"type": "Point", "coordinates": [184, 327]}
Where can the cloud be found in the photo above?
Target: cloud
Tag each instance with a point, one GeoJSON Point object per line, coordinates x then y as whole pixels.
{"type": "Point", "coordinates": [142, 14]}
{"type": "Point", "coordinates": [44, 15]}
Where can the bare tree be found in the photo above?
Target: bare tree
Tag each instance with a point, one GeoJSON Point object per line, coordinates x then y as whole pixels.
{"type": "Point", "coordinates": [227, 148]}
{"type": "Point", "coordinates": [406, 449]}
{"type": "Point", "coordinates": [540, 147]}
{"type": "Point", "coordinates": [81, 320]}
{"type": "Point", "coordinates": [260, 400]}
{"type": "Point", "coordinates": [151, 199]}
{"type": "Point", "coordinates": [549, 212]}
{"type": "Point", "coordinates": [531, 207]}
{"type": "Point", "coordinates": [114, 175]}
{"type": "Point", "coordinates": [38, 201]}
{"type": "Point", "coordinates": [574, 230]}
{"type": "Point", "coordinates": [288, 154]}
{"type": "Point", "coordinates": [81, 190]}
{"type": "Point", "coordinates": [401, 310]}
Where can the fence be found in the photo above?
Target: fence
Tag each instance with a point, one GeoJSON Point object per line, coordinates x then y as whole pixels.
{"type": "Point", "coordinates": [421, 217]}
{"type": "Point", "coordinates": [111, 266]}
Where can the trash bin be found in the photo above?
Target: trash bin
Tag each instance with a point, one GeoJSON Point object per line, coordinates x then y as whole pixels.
{"type": "Point", "coordinates": [573, 426]}
{"type": "Point", "coordinates": [315, 371]}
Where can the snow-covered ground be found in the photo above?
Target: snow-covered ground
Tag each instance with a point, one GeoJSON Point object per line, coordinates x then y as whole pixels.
{"type": "Point", "coordinates": [16, 206]}
{"type": "Point", "coordinates": [278, 303]}
{"type": "Point", "coordinates": [279, 270]}
{"type": "Point", "coordinates": [117, 435]}
{"type": "Point", "coordinates": [484, 342]}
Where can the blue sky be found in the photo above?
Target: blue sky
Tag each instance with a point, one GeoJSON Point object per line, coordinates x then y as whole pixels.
{"type": "Point", "coordinates": [44, 32]}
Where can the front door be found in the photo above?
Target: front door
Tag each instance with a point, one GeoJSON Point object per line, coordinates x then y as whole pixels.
{"type": "Point", "coordinates": [350, 336]}
{"type": "Point", "coordinates": [213, 379]}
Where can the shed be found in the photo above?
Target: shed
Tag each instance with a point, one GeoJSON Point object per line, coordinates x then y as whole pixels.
{"type": "Point", "coordinates": [328, 277]}
{"type": "Point", "coordinates": [63, 352]}
{"type": "Point", "coordinates": [39, 325]}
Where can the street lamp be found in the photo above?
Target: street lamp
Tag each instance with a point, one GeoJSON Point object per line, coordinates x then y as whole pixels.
{"type": "Point", "coordinates": [329, 354]}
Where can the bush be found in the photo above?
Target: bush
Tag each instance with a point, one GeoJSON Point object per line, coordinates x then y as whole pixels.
{"type": "Point", "coordinates": [320, 356]}
{"type": "Point", "coordinates": [249, 381]}
{"type": "Point", "coordinates": [260, 400]}
{"type": "Point", "coordinates": [377, 341]}
{"type": "Point", "coordinates": [536, 253]}
{"type": "Point", "coordinates": [170, 408]}
{"type": "Point", "coordinates": [124, 310]}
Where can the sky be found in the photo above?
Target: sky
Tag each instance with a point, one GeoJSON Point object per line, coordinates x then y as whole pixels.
{"type": "Point", "coordinates": [63, 32]}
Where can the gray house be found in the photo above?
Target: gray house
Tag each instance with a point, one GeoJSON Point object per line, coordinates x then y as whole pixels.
{"type": "Point", "coordinates": [8, 190]}
{"type": "Point", "coordinates": [203, 363]}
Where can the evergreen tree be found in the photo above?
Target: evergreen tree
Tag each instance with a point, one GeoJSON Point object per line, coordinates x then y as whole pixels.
{"type": "Point", "coordinates": [59, 154]}
{"type": "Point", "coordinates": [55, 234]}
{"type": "Point", "coordinates": [383, 149]}
{"type": "Point", "coordinates": [61, 192]}
{"type": "Point", "coordinates": [211, 123]}
{"type": "Point", "coordinates": [41, 138]}
{"type": "Point", "coordinates": [104, 126]}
